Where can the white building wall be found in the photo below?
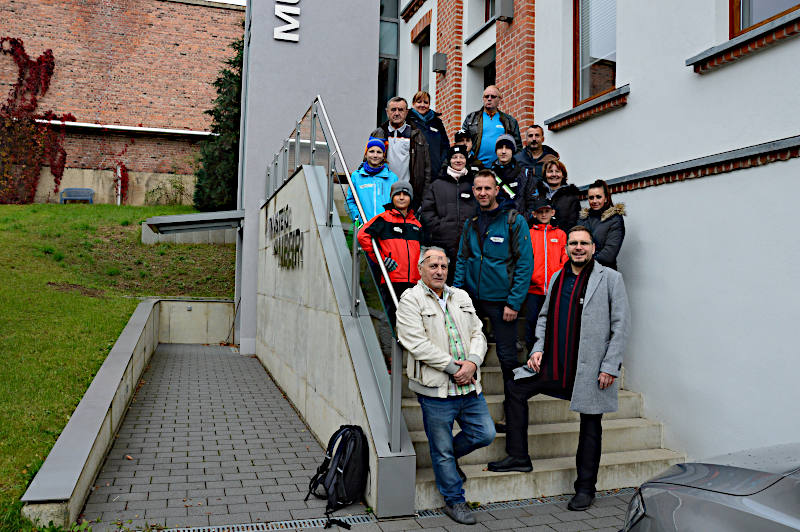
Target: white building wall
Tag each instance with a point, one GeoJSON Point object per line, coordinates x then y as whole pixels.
{"type": "Point", "coordinates": [672, 113]}
{"type": "Point", "coordinates": [711, 279]}
{"type": "Point", "coordinates": [408, 62]}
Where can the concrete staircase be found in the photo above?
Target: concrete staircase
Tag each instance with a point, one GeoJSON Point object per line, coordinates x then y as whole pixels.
{"type": "Point", "coordinates": [632, 449]}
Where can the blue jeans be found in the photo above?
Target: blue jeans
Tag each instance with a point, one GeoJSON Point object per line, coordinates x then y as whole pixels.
{"type": "Point", "coordinates": [477, 430]}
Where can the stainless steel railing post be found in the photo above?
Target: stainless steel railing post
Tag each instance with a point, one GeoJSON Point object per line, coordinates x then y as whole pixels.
{"type": "Point", "coordinates": [395, 403]}
{"type": "Point", "coordinates": [329, 199]}
{"type": "Point", "coordinates": [356, 271]}
{"type": "Point", "coordinates": [313, 134]}
{"type": "Point", "coordinates": [296, 146]}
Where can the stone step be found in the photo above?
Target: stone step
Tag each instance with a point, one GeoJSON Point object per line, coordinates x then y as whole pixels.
{"type": "Point", "coordinates": [553, 440]}
{"type": "Point", "coordinates": [550, 476]}
{"type": "Point", "coordinates": [543, 409]}
{"type": "Point", "coordinates": [491, 380]}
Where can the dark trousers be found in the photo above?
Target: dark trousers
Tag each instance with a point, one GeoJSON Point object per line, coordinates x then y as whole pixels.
{"type": "Point", "coordinates": [391, 310]}
{"type": "Point", "coordinates": [505, 336]}
{"type": "Point", "coordinates": [533, 304]}
{"type": "Point", "coordinates": [587, 459]}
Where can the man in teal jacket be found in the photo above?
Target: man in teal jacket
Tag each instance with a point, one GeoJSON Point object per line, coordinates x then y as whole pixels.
{"type": "Point", "coordinates": [495, 263]}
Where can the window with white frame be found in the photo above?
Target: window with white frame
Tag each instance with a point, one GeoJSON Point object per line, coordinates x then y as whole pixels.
{"type": "Point", "coordinates": [748, 14]}
{"type": "Point", "coordinates": [595, 48]}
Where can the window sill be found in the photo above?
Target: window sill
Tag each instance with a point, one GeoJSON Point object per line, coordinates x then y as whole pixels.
{"type": "Point", "coordinates": [746, 44]}
{"type": "Point", "coordinates": [602, 104]}
{"type": "Point", "coordinates": [477, 33]}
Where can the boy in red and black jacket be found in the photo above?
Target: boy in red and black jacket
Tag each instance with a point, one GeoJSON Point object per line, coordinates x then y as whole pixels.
{"type": "Point", "coordinates": [549, 245]}
{"type": "Point", "coordinates": [398, 234]}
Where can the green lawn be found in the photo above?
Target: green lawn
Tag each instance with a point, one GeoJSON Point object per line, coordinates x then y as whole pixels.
{"type": "Point", "coordinates": [69, 280]}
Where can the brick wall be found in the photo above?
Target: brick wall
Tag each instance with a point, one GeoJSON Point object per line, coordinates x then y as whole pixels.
{"type": "Point", "coordinates": [515, 62]}
{"type": "Point", "coordinates": [125, 62]}
{"type": "Point", "coordinates": [128, 62]}
{"type": "Point", "coordinates": [141, 153]}
{"type": "Point", "coordinates": [449, 39]}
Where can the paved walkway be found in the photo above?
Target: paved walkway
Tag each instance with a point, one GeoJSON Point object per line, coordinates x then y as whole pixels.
{"type": "Point", "coordinates": [209, 440]}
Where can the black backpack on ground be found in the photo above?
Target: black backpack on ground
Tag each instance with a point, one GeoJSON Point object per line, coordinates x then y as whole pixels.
{"type": "Point", "coordinates": [343, 472]}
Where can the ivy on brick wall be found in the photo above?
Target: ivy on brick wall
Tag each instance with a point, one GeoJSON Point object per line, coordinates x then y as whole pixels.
{"type": "Point", "coordinates": [217, 177]}
{"type": "Point", "coordinates": [27, 139]}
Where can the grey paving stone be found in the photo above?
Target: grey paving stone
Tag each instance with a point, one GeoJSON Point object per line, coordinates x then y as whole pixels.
{"type": "Point", "coordinates": [399, 524]}
{"type": "Point", "coordinates": [229, 519]}
{"type": "Point", "coordinates": [502, 524]}
{"type": "Point", "coordinates": [603, 511]}
{"type": "Point", "coordinates": [572, 516]}
{"type": "Point", "coordinates": [610, 521]}
{"type": "Point", "coordinates": [186, 521]}
{"type": "Point", "coordinates": [542, 519]}
{"type": "Point", "coordinates": [572, 526]}
{"type": "Point", "coordinates": [269, 516]}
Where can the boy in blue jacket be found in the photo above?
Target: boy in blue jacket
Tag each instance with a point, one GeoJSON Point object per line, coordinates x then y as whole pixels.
{"type": "Point", "coordinates": [373, 182]}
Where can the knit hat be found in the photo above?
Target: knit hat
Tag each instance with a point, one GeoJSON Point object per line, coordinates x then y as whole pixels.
{"type": "Point", "coordinates": [457, 148]}
{"type": "Point", "coordinates": [375, 142]}
{"type": "Point", "coordinates": [402, 186]}
{"type": "Point", "coordinates": [461, 135]}
{"type": "Point", "coordinates": [507, 140]}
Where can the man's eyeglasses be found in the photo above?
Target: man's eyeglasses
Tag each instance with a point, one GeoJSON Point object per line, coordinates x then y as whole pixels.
{"type": "Point", "coordinates": [491, 96]}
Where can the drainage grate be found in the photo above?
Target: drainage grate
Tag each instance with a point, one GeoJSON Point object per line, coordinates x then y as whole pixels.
{"type": "Point", "coordinates": [370, 518]}
{"type": "Point", "coordinates": [297, 524]}
{"type": "Point", "coordinates": [529, 502]}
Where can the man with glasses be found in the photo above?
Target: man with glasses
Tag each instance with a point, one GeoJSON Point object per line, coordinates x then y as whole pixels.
{"type": "Point", "coordinates": [487, 124]}
{"type": "Point", "coordinates": [581, 334]}
{"type": "Point", "coordinates": [536, 152]}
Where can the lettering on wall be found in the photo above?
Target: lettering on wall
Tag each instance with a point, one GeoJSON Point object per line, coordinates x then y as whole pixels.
{"type": "Point", "coordinates": [287, 10]}
{"type": "Point", "coordinates": [287, 243]}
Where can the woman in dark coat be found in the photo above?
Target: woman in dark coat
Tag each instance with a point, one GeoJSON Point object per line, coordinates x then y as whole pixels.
{"type": "Point", "coordinates": [563, 197]}
{"type": "Point", "coordinates": [604, 220]}
{"type": "Point", "coordinates": [448, 203]}
{"type": "Point", "coordinates": [429, 122]}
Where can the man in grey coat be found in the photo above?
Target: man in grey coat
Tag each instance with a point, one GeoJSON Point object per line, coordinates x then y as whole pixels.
{"type": "Point", "coordinates": [581, 334]}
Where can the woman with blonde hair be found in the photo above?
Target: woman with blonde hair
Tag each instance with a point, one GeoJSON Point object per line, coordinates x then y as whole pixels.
{"type": "Point", "coordinates": [429, 122]}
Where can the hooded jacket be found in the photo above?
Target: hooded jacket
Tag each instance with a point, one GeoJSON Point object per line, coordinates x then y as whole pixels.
{"type": "Point", "coordinates": [447, 204]}
{"type": "Point", "coordinates": [549, 245]}
{"type": "Point", "coordinates": [608, 231]}
{"type": "Point", "coordinates": [373, 192]}
{"type": "Point", "coordinates": [419, 155]}
{"type": "Point", "coordinates": [473, 124]}
{"type": "Point", "coordinates": [398, 237]}
{"type": "Point", "coordinates": [536, 164]}
{"type": "Point", "coordinates": [495, 259]}
{"type": "Point", "coordinates": [435, 133]}
{"type": "Point", "coordinates": [565, 202]}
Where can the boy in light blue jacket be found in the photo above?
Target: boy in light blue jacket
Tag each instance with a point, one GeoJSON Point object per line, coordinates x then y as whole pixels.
{"type": "Point", "coordinates": [372, 181]}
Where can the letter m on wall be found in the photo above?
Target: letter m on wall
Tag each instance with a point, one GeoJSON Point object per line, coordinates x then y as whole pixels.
{"type": "Point", "coordinates": [285, 12]}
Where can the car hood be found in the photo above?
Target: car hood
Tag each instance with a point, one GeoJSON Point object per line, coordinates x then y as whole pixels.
{"type": "Point", "coordinates": [741, 473]}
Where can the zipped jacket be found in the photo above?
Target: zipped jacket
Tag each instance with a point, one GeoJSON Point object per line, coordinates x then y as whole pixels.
{"type": "Point", "coordinates": [446, 206]}
{"type": "Point", "coordinates": [419, 155]}
{"type": "Point", "coordinates": [495, 259]}
{"type": "Point", "coordinates": [435, 133]}
{"type": "Point", "coordinates": [473, 124]}
{"type": "Point", "coordinates": [517, 180]}
{"type": "Point", "coordinates": [398, 237]}
{"type": "Point", "coordinates": [373, 192]}
{"type": "Point", "coordinates": [536, 165]}
{"type": "Point", "coordinates": [549, 245]}
{"type": "Point", "coordinates": [422, 332]}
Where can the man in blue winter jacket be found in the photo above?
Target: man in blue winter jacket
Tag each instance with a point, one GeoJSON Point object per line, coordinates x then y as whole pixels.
{"type": "Point", "coordinates": [495, 263]}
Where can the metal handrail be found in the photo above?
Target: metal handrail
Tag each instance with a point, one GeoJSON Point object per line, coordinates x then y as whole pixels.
{"type": "Point", "coordinates": [318, 112]}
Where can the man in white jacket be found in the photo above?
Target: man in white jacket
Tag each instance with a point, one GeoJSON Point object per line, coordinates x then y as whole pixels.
{"type": "Point", "coordinates": [438, 327]}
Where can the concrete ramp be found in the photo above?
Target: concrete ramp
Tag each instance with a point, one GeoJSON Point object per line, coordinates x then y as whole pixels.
{"type": "Point", "coordinates": [321, 351]}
